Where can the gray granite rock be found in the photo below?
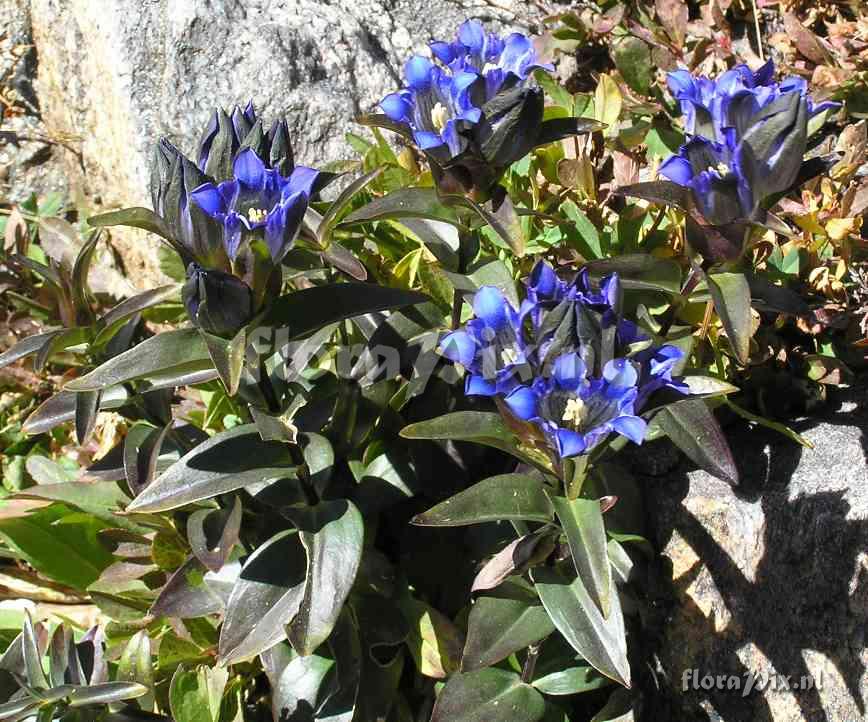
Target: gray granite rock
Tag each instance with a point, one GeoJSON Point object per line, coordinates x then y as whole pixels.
{"type": "Point", "coordinates": [117, 74]}
{"type": "Point", "coordinates": [771, 577]}
{"type": "Point", "coordinates": [31, 161]}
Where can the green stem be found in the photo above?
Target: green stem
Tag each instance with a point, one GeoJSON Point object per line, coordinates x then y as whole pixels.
{"type": "Point", "coordinates": [530, 663]}
{"type": "Point", "coordinates": [575, 474]}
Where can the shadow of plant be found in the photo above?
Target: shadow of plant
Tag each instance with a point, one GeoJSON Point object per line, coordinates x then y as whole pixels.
{"type": "Point", "coordinates": [765, 573]}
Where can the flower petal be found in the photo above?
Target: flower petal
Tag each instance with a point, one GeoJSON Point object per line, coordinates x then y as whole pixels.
{"type": "Point", "coordinates": [209, 199]}
{"type": "Point", "coordinates": [397, 107]}
{"type": "Point", "coordinates": [570, 443]}
{"type": "Point", "coordinates": [459, 347]}
{"type": "Point", "coordinates": [249, 169]}
{"type": "Point", "coordinates": [490, 305]}
{"type": "Point", "coordinates": [301, 180]}
{"type": "Point", "coordinates": [472, 35]}
{"type": "Point", "coordinates": [630, 426]}
{"type": "Point", "coordinates": [476, 385]}
{"type": "Point", "coordinates": [417, 70]}
{"type": "Point", "coordinates": [620, 373]}
{"type": "Point", "coordinates": [522, 402]}
{"type": "Point", "coordinates": [570, 371]}
{"type": "Point", "coordinates": [677, 169]}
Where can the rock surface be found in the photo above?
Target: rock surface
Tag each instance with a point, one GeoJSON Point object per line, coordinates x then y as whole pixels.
{"type": "Point", "coordinates": [117, 74]}
{"type": "Point", "coordinates": [771, 577]}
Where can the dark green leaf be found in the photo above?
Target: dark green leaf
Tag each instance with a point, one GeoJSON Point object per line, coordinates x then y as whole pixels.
{"type": "Point", "coordinates": [502, 622]}
{"type": "Point", "coordinates": [27, 346]}
{"type": "Point", "coordinates": [100, 499]}
{"type": "Point", "coordinates": [86, 410]}
{"type": "Point", "coordinates": [118, 315]}
{"type": "Point", "coordinates": [600, 641]}
{"type": "Point", "coordinates": [488, 695]}
{"type": "Point", "coordinates": [478, 426]}
{"type": "Point", "coordinates": [332, 534]}
{"type": "Point", "coordinates": [573, 680]}
{"type": "Point", "coordinates": [505, 222]}
{"type": "Point", "coordinates": [60, 409]}
{"type": "Point", "coordinates": [731, 295]}
{"type": "Point", "coordinates": [266, 597]}
{"type": "Point", "coordinates": [143, 218]}
{"type": "Point", "coordinates": [507, 496]}
{"type": "Point", "coordinates": [296, 682]}
{"type": "Point", "coordinates": [213, 532]}
{"type": "Point", "coordinates": [664, 193]}
{"type": "Point", "coordinates": [641, 271]}
{"type": "Point", "coordinates": [141, 451]}
{"type": "Point", "coordinates": [692, 428]}
{"type": "Point", "coordinates": [227, 461]}
{"type": "Point", "coordinates": [181, 348]}
{"type": "Point", "coordinates": [311, 309]}
{"type": "Point", "coordinates": [106, 693]}
{"type": "Point", "coordinates": [559, 128]}
{"type": "Point", "coordinates": [340, 204]}
{"type": "Point", "coordinates": [404, 203]}
{"type": "Point", "coordinates": [582, 522]}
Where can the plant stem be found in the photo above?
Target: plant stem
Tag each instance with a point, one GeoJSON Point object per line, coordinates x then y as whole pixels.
{"type": "Point", "coordinates": [530, 663]}
{"type": "Point", "coordinates": [575, 474]}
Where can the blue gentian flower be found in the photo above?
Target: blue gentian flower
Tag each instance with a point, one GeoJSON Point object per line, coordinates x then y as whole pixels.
{"type": "Point", "coordinates": [258, 199]}
{"type": "Point", "coordinates": [565, 360]}
{"type": "Point", "coordinates": [748, 139]}
{"type": "Point", "coordinates": [575, 411]}
{"type": "Point", "coordinates": [473, 109]}
{"type": "Point", "coordinates": [491, 347]}
{"type": "Point", "coordinates": [712, 105]}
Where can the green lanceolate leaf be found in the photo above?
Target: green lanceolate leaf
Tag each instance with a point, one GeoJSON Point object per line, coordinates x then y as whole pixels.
{"type": "Point", "coordinates": [480, 427]}
{"type": "Point", "coordinates": [117, 316]}
{"type": "Point", "coordinates": [141, 450]}
{"type": "Point", "coordinates": [486, 273]}
{"type": "Point", "coordinates": [557, 129]}
{"type": "Point", "coordinates": [195, 695]}
{"type": "Point", "coordinates": [143, 218]}
{"type": "Point", "coordinates": [692, 428]}
{"type": "Point", "coordinates": [404, 203]}
{"type": "Point", "coordinates": [573, 680]}
{"type": "Point", "coordinates": [332, 534]}
{"type": "Point", "coordinates": [227, 357]}
{"type": "Point", "coordinates": [602, 642]}
{"type": "Point", "coordinates": [227, 461]}
{"type": "Point", "coordinates": [731, 295]}
{"type": "Point", "coordinates": [296, 682]}
{"type": "Point", "coordinates": [488, 695]}
{"type": "Point", "coordinates": [340, 204]}
{"type": "Point", "coordinates": [641, 271]}
{"type": "Point", "coordinates": [265, 598]}
{"type": "Point", "coordinates": [106, 693]}
{"type": "Point", "coordinates": [311, 309]}
{"type": "Point", "coordinates": [504, 222]}
{"type": "Point", "coordinates": [101, 499]}
{"type": "Point", "coordinates": [86, 410]}
{"type": "Point", "coordinates": [582, 522]}
{"type": "Point", "coordinates": [136, 665]}
{"type": "Point", "coordinates": [28, 346]}
{"type": "Point", "coordinates": [507, 496]}
{"type": "Point", "coordinates": [662, 192]}
{"type": "Point", "coordinates": [60, 409]}
{"type": "Point", "coordinates": [502, 622]}
{"type": "Point", "coordinates": [701, 386]}
{"type": "Point", "coordinates": [181, 348]}
{"type": "Point", "coordinates": [213, 532]}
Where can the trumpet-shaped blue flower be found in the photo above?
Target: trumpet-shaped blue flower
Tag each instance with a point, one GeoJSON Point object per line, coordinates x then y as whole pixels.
{"type": "Point", "coordinates": [565, 360]}
{"type": "Point", "coordinates": [710, 106]}
{"type": "Point", "coordinates": [576, 411]}
{"type": "Point", "coordinates": [456, 103]}
{"type": "Point", "coordinates": [491, 347]}
{"type": "Point", "coordinates": [258, 199]}
{"type": "Point", "coordinates": [749, 136]}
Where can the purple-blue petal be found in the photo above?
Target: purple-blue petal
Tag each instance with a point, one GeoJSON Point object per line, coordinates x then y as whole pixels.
{"type": "Point", "coordinates": [522, 402]}
{"type": "Point", "coordinates": [417, 70]}
{"type": "Point", "coordinates": [249, 169]}
{"type": "Point", "coordinates": [209, 199]}
{"type": "Point", "coordinates": [490, 305]}
{"type": "Point", "coordinates": [459, 347]}
{"type": "Point", "coordinates": [632, 427]}
{"type": "Point", "coordinates": [570, 443]}
{"type": "Point", "coordinates": [677, 169]}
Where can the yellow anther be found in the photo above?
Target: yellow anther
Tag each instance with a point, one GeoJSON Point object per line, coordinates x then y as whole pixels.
{"type": "Point", "coordinates": [574, 413]}
{"type": "Point", "coordinates": [439, 117]}
{"type": "Point", "coordinates": [256, 215]}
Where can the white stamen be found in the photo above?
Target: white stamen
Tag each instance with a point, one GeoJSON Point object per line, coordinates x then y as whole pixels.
{"type": "Point", "coordinates": [509, 356]}
{"type": "Point", "coordinates": [574, 413]}
{"type": "Point", "coordinates": [256, 215]}
{"type": "Point", "coordinates": [439, 116]}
